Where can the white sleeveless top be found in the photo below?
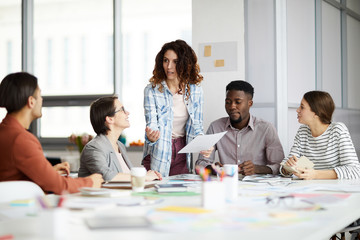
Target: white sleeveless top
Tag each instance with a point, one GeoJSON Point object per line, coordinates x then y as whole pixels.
{"type": "Point", "coordinates": [181, 116]}
{"type": "Point", "coordinates": [124, 167]}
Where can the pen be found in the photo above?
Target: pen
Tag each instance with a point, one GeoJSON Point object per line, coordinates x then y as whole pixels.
{"type": "Point", "coordinates": [41, 202]}
{"type": "Point", "coordinates": [61, 201]}
{"type": "Point", "coordinates": [219, 172]}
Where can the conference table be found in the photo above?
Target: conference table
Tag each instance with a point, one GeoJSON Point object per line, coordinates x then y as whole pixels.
{"type": "Point", "coordinates": [295, 209]}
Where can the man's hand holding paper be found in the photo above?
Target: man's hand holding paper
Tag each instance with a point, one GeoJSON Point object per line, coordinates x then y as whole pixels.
{"type": "Point", "coordinates": [203, 144]}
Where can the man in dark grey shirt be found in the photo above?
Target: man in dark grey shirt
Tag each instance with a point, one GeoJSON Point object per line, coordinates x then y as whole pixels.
{"type": "Point", "coordinates": [250, 142]}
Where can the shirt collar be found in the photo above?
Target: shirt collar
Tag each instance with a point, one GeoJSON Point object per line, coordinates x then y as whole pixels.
{"type": "Point", "coordinates": [163, 83]}
{"type": "Point", "coordinates": [12, 121]}
{"type": "Point", "coordinates": [250, 124]}
{"type": "Point", "coordinates": [165, 86]}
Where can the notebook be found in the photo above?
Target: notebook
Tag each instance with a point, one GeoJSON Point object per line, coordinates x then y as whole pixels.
{"type": "Point", "coordinates": [124, 185]}
{"type": "Point", "coordinates": [170, 187]}
{"type": "Point", "coordinates": [303, 162]}
{"type": "Point", "coordinates": [117, 222]}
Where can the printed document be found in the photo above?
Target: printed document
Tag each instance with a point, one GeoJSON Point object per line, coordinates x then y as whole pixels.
{"type": "Point", "coordinates": [202, 142]}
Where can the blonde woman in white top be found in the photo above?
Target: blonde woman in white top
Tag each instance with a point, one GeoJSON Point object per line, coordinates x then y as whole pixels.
{"type": "Point", "coordinates": [105, 154]}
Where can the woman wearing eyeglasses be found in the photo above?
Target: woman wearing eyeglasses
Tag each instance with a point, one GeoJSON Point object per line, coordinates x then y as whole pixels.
{"type": "Point", "coordinates": [105, 154]}
{"type": "Point", "coordinates": [173, 103]}
{"type": "Point", "coordinates": [327, 144]}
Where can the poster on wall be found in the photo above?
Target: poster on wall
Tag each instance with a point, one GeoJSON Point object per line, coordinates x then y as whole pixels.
{"type": "Point", "coordinates": [218, 57]}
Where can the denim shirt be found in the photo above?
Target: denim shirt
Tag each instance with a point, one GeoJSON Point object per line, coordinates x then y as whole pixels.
{"type": "Point", "coordinates": [159, 116]}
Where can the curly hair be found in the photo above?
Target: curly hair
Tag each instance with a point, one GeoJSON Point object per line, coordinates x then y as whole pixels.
{"type": "Point", "coordinates": [187, 67]}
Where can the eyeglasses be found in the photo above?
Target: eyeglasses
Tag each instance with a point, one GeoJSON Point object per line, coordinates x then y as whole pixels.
{"type": "Point", "coordinates": [122, 109]}
{"type": "Point", "coordinates": [292, 202]}
{"type": "Point", "coordinates": [287, 201]}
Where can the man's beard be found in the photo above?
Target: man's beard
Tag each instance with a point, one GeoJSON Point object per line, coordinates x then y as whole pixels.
{"type": "Point", "coordinates": [235, 121]}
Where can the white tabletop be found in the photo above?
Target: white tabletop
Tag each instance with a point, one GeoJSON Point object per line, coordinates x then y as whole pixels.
{"type": "Point", "coordinates": [247, 218]}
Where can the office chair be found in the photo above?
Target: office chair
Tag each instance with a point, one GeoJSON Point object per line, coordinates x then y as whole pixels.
{"type": "Point", "coordinates": [353, 230]}
{"type": "Point", "coordinates": [17, 190]}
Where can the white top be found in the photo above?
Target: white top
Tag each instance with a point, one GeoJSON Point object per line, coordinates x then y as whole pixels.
{"type": "Point", "coordinates": [181, 115]}
{"type": "Point", "coordinates": [333, 149]}
{"type": "Point", "coordinates": [124, 167]}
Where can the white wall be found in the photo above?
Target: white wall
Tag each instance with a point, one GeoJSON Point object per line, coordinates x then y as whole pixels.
{"type": "Point", "coordinates": [331, 52]}
{"type": "Point", "coordinates": [301, 72]}
{"type": "Point", "coordinates": [260, 54]}
{"type": "Point", "coordinates": [352, 120]}
{"type": "Point", "coordinates": [218, 21]}
{"type": "Point", "coordinates": [301, 48]}
{"type": "Point", "coordinates": [304, 75]}
{"type": "Point", "coordinates": [353, 59]}
{"type": "Point", "coordinates": [221, 21]}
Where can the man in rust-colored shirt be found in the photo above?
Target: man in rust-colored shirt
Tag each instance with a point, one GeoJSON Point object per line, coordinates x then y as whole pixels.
{"type": "Point", "coordinates": [22, 157]}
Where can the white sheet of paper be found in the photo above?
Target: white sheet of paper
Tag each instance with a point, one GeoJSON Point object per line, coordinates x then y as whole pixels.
{"type": "Point", "coordinates": [202, 142]}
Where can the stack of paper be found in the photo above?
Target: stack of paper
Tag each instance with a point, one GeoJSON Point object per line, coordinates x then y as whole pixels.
{"type": "Point", "coordinates": [171, 187]}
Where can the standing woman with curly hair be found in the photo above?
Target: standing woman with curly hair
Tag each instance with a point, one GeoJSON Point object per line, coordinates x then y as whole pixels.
{"type": "Point", "coordinates": [173, 103]}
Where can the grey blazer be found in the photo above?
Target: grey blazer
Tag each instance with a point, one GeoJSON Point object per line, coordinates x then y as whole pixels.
{"type": "Point", "coordinates": [98, 156]}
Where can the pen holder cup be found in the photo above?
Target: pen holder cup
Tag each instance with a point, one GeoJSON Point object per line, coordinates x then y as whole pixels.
{"type": "Point", "coordinates": [213, 195]}
{"type": "Point", "coordinates": [231, 188]}
{"type": "Point", "coordinates": [54, 223]}
{"type": "Point", "coordinates": [231, 181]}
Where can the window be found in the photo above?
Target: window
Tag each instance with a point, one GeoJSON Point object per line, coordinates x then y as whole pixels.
{"type": "Point", "coordinates": [146, 26]}
{"type": "Point", "coordinates": [10, 41]}
{"type": "Point", "coordinates": [2, 113]}
{"type": "Point", "coordinates": [74, 56]}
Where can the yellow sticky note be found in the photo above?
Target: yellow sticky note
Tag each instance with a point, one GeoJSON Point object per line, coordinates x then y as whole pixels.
{"type": "Point", "coordinates": [23, 202]}
{"type": "Point", "coordinates": [180, 209]}
{"type": "Point", "coordinates": [207, 51]}
{"type": "Point", "coordinates": [219, 63]}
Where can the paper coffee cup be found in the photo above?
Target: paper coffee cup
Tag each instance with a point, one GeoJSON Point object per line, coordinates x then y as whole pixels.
{"type": "Point", "coordinates": [138, 179]}
{"type": "Point", "coordinates": [73, 160]}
